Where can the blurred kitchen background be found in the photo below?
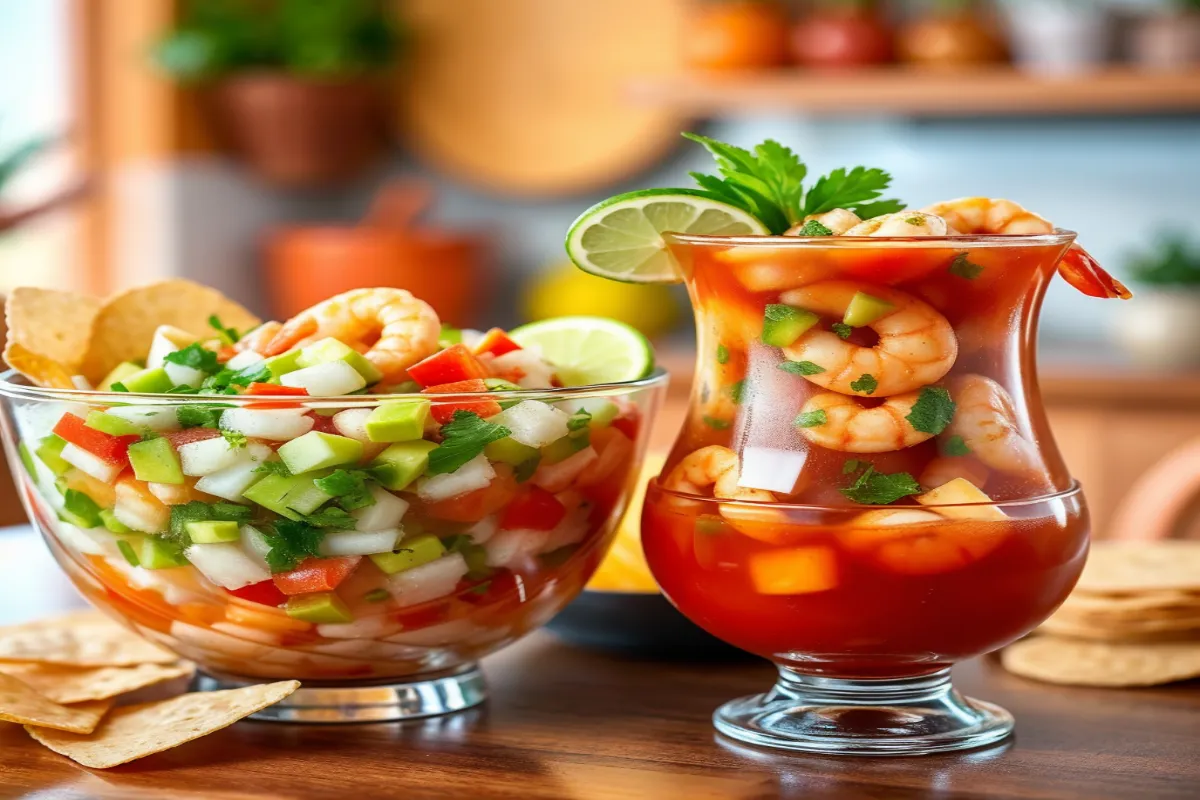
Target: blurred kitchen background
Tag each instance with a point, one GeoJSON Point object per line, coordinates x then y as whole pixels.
{"type": "Point", "coordinates": [284, 150]}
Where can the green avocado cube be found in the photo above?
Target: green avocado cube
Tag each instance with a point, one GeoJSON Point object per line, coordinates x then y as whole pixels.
{"type": "Point", "coordinates": [109, 520]}
{"type": "Point", "coordinates": [327, 350]}
{"type": "Point", "coordinates": [322, 608]}
{"type": "Point", "coordinates": [400, 421]}
{"type": "Point", "coordinates": [118, 375]}
{"type": "Point", "coordinates": [154, 460]}
{"type": "Point", "coordinates": [306, 497]}
{"type": "Point", "coordinates": [112, 424]}
{"type": "Point", "coordinates": [131, 556]}
{"type": "Point", "coordinates": [49, 450]}
{"type": "Point", "coordinates": [563, 448]}
{"type": "Point", "coordinates": [289, 496]}
{"type": "Point", "coordinates": [282, 364]}
{"type": "Point", "coordinates": [80, 510]}
{"type": "Point", "coordinates": [159, 553]}
{"type": "Point", "coordinates": [865, 309]}
{"type": "Point", "coordinates": [213, 531]}
{"type": "Point", "coordinates": [316, 450]}
{"type": "Point", "coordinates": [783, 325]}
{"type": "Point", "coordinates": [401, 464]}
{"type": "Point", "coordinates": [509, 451]}
{"type": "Point", "coordinates": [412, 552]}
{"type": "Point", "coordinates": [148, 381]}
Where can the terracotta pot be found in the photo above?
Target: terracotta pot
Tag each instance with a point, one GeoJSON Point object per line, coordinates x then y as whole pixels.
{"type": "Point", "coordinates": [1167, 41]}
{"type": "Point", "coordinates": [305, 265]}
{"type": "Point", "coordinates": [299, 132]}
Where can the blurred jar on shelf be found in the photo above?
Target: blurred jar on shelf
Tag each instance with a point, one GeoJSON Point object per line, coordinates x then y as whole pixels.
{"type": "Point", "coordinates": [842, 33]}
{"type": "Point", "coordinates": [952, 33]}
{"type": "Point", "coordinates": [1059, 37]}
{"type": "Point", "coordinates": [737, 35]}
{"type": "Point", "coordinates": [1162, 328]}
{"type": "Point", "coordinates": [1169, 39]}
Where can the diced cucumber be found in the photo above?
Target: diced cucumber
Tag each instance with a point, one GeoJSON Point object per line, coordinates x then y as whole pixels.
{"type": "Point", "coordinates": [148, 381]}
{"type": "Point", "coordinates": [290, 496]}
{"type": "Point", "coordinates": [327, 350]}
{"type": "Point", "coordinates": [315, 450]}
{"type": "Point", "coordinates": [159, 553]}
{"type": "Point", "coordinates": [80, 510]}
{"type": "Point", "coordinates": [783, 325]}
{"type": "Point", "coordinates": [603, 411]}
{"type": "Point", "coordinates": [509, 451]}
{"type": "Point", "coordinates": [154, 460]}
{"type": "Point", "coordinates": [282, 364]}
{"type": "Point", "coordinates": [401, 421]}
{"type": "Point", "coordinates": [564, 448]}
{"type": "Point", "coordinates": [323, 608]}
{"type": "Point", "coordinates": [131, 556]}
{"type": "Point", "coordinates": [118, 375]}
{"type": "Point", "coordinates": [112, 424]}
{"type": "Point", "coordinates": [401, 464]}
{"type": "Point", "coordinates": [213, 531]}
{"type": "Point", "coordinates": [49, 450]}
{"type": "Point", "coordinates": [109, 520]}
{"type": "Point", "coordinates": [412, 552]}
{"type": "Point", "coordinates": [865, 309]}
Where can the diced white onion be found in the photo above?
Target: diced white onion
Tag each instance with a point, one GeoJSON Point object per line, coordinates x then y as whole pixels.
{"type": "Point", "coordinates": [386, 513]}
{"type": "Point", "coordinates": [226, 564]}
{"type": "Point", "coordinates": [771, 469]}
{"type": "Point", "coordinates": [232, 482]}
{"type": "Point", "coordinates": [534, 423]}
{"type": "Point", "coordinates": [95, 466]}
{"type": "Point", "coordinates": [275, 424]}
{"type": "Point", "coordinates": [358, 543]}
{"type": "Point", "coordinates": [556, 477]}
{"type": "Point", "coordinates": [326, 380]}
{"type": "Point", "coordinates": [156, 419]}
{"type": "Point", "coordinates": [208, 456]}
{"type": "Point", "coordinates": [514, 548]}
{"type": "Point", "coordinates": [352, 423]}
{"type": "Point", "coordinates": [428, 581]}
{"type": "Point", "coordinates": [246, 358]}
{"type": "Point", "coordinates": [475, 474]}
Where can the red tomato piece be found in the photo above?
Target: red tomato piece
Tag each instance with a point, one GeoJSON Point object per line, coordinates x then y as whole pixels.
{"type": "Point", "coordinates": [323, 424]}
{"type": "Point", "coordinates": [274, 390]}
{"type": "Point", "coordinates": [455, 363]}
{"type": "Point", "coordinates": [264, 592]}
{"type": "Point", "coordinates": [316, 575]}
{"type": "Point", "coordinates": [112, 449]}
{"type": "Point", "coordinates": [274, 404]}
{"type": "Point", "coordinates": [627, 426]}
{"type": "Point", "coordinates": [225, 353]}
{"type": "Point", "coordinates": [474, 506]}
{"type": "Point", "coordinates": [496, 342]}
{"type": "Point", "coordinates": [180, 438]}
{"type": "Point", "coordinates": [424, 615]}
{"type": "Point", "coordinates": [534, 509]}
{"type": "Point", "coordinates": [444, 412]}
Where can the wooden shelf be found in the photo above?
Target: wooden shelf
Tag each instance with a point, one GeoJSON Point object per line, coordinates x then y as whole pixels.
{"type": "Point", "coordinates": [916, 92]}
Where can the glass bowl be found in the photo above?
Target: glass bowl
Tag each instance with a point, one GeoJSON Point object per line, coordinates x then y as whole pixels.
{"type": "Point", "coordinates": [482, 553]}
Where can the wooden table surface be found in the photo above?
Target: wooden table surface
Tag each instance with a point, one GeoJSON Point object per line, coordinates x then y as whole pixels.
{"type": "Point", "coordinates": [568, 724]}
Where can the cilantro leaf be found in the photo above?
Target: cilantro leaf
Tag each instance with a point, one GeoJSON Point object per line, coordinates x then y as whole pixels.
{"type": "Point", "coordinates": [199, 511]}
{"type": "Point", "coordinates": [196, 357]}
{"type": "Point", "coordinates": [274, 468]}
{"type": "Point", "coordinates": [291, 542]}
{"type": "Point", "coordinates": [329, 517]}
{"type": "Point", "coordinates": [235, 439]}
{"type": "Point", "coordinates": [737, 391]}
{"type": "Point", "coordinates": [811, 419]}
{"type": "Point", "coordinates": [842, 330]}
{"type": "Point", "coordinates": [579, 420]}
{"type": "Point", "coordinates": [963, 267]}
{"type": "Point", "coordinates": [228, 335]}
{"type": "Point", "coordinates": [802, 368]}
{"type": "Point", "coordinates": [865, 384]}
{"type": "Point", "coordinates": [955, 446]}
{"type": "Point", "coordinates": [349, 487]}
{"type": "Point", "coordinates": [224, 381]}
{"type": "Point", "coordinates": [377, 596]}
{"type": "Point", "coordinates": [117, 386]}
{"type": "Point", "coordinates": [463, 438]}
{"type": "Point", "coordinates": [524, 471]}
{"type": "Point", "coordinates": [200, 416]}
{"type": "Point", "coordinates": [878, 489]}
{"type": "Point", "coordinates": [852, 190]}
{"type": "Point", "coordinates": [722, 354]}
{"type": "Point", "coordinates": [716, 424]}
{"type": "Point", "coordinates": [933, 410]}
{"type": "Point", "coordinates": [853, 465]}
{"type": "Point", "coordinates": [814, 228]}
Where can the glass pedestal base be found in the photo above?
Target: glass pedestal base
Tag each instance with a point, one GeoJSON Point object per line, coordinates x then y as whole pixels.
{"type": "Point", "coordinates": [384, 701]}
{"type": "Point", "coordinates": [911, 716]}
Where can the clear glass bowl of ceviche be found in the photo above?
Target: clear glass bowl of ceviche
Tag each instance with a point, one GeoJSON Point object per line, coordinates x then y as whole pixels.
{"type": "Point", "coordinates": [273, 517]}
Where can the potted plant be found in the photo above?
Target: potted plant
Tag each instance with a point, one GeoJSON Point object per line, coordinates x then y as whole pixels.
{"type": "Point", "coordinates": [1058, 36]}
{"type": "Point", "coordinates": [842, 33]}
{"type": "Point", "coordinates": [953, 33]}
{"type": "Point", "coordinates": [1168, 40]}
{"type": "Point", "coordinates": [292, 86]}
{"type": "Point", "coordinates": [1162, 326]}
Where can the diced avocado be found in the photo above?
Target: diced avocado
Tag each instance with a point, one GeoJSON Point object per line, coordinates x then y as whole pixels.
{"type": "Point", "coordinates": [282, 364]}
{"type": "Point", "coordinates": [401, 464]}
{"type": "Point", "coordinates": [109, 520]}
{"type": "Point", "coordinates": [509, 451]}
{"type": "Point", "coordinates": [148, 381]}
{"type": "Point", "coordinates": [80, 510]}
{"type": "Point", "coordinates": [159, 553]}
{"type": "Point", "coordinates": [49, 450]}
{"type": "Point", "coordinates": [412, 552]}
{"type": "Point", "coordinates": [289, 496]}
{"type": "Point", "coordinates": [322, 608]}
{"type": "Point", "coordinates": [27, 459]}
{"type": "Point", "coordinates": [400, 421]}
{"type": "Point", "coordinates": [563, 448]}
{"type": "Point", "coordinates": [328, 350]}
{"type": "Point", "coordinates": [112, 424]}
{"type": "Point", "coordinates": [500, 385]}
{"type": "Point", "coordinates": [118, 375]}
{"type": "Point", "coordinates": [154, 460]}
{"type": "Point", "coordinates": [865, 309]}
{"type": "Point", "coordinates": [783, 325]}
{"type": "Point", "coordinates": [306, 497]}
{"type": "Point", "coordinates": [130, 554]}
{"type": "Point", "coordinates": [213, 531]}
{"type": "Point", "coordinates": [316, 450]}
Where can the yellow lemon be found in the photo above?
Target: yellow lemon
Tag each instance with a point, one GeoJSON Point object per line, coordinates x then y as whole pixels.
{"type": "Point", "coordinates": [564, 290]}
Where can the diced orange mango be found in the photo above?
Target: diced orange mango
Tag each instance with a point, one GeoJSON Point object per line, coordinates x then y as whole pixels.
{"type": "Point", "coordinates": [912, 541]}
{"type": "Point", "coordinates": [254, 615]}
{"type": "Point", "coordinates": [103, 493]}
{"type": "Point", "coordinates": [961, 499]}
{"type": "Point", "coordinates": [794, 570]}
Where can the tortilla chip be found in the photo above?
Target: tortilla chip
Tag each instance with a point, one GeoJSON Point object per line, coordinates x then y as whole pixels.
{"type": "Point", "coordinates": [48, 333]}
{"type": "Point", "coordinates": [126, 323]}
{"type": "Point", "coordinates": [133, 732]}
{"type": "Point", "coordinates": [1078, 663]}
{"type": "Point", "coordinates": [20, 703]}
{"type": "Point", "coordinates": [1130, 567]}
{"type": "Point", "coordinates": [79, 684]}
{"type": "Point", "coordinates": [84, 639]}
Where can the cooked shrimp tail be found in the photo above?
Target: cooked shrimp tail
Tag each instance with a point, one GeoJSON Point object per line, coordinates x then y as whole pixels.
{"type": "Point", "coordinates": [717, 467]}
{"type": "Point", "coordinates": [1082, 271]}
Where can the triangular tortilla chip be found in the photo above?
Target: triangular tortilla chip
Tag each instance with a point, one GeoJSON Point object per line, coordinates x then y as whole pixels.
{"type": "Point", "coordinates": [84, 639]}
{"type": "Point", "coordinates": [64, 684]}
{"type": "Point", "coordinates": [20, 703]}
{"type": "Point", "coordinates": [48, 333]}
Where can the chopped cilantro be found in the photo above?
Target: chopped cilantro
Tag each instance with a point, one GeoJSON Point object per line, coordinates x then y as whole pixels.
{"type": "Point", "coordinates": [196, 357]}
{"type": "Point", "coordinates": [117, 386]}
{"type": "Point", "coordinates": [853, 465]}
{"type": "Point", "coordinates": [224, 381]}
{"type": "Point", "coordinates": [866, 384]}
{"type": "Point", "coordinates": [915, 219]}
{"type": "Point", "coordinates": [463, 438]}
{"type": "Point", "coordinates": [235, 439]}
{"type": "Point", "coordinates": [811, 419]}
{"type": "Point", "coordinates": [722, 354]}
{"type": "Point", "coordinates": [200, 416]}
{"type": "Point", "coordinates": [964, 267]}
{"type": "Point", "coordinates": [197, 511]}
{"type": "Point", "coordinates": [802, 368]}
{"type": "Point", "coordinates": [737, 391]}
{"type": "Point", "coordinates": [814, 228]}
{"type": "Point", "coordinates": [933, 410]}
{"type": "Point", "coordinates": [274, 468]}
{"type": "Point", "coordinates": [524, 471]}
{"type": "Point", "coordinates": [349, 487]}
{"type": "Point", "coordinates": [579, 420]}
{"type": "Point", "coordinates": [228, 335]}
{"type": "Point", "coordinates": [291, 542]}
{"type": "Point", "coordinates": [716, 424]}
{"type": "Point", "coordinates": [329, 517]}
{"type": "Point", "coordinates": [955, 446]}
{"type": "Point", "coordinates": [376, 596]}
{"type": "Point", "coordinates": [842, 330]}
{"type": "Point", "coordinates": [878, 489]}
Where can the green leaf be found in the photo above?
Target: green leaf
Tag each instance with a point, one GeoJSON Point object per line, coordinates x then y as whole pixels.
{"type": "Point", "coordinates": [201, 416]}
{"type": "Point", "coordinates": [963, 267]}
{"type": "Point", "coordinates": [802, 368]}
{"type": "Point", "coordinates": [853, 465]}
{"type": "Point", "coordinates": [814, 228]}
{"type": "Point", "coordinates": [235, 439]}
{"type": "Point", "coordinates": [716, 424]}
{"type": "Point", "coordinates": [463, 438]}
{"type": "Point", "coordinates": [196, 357]}
{"type": "Point", "coordinates": [737, 391]}
{"type": "Point", "coordinates": [955, 446]}
{"type": "Point", "coordinates": [933, 410]}
{"type": "Point", "coordinates": [722, 354]}
{"type": "Point", "coordinates": [842, 330]}
{"type": "Point", "coordinates": [852, 190]}
{"type": "Point", "coordinates": [349, 487]}
{"type": "Point", "coordinates": [291, 542]}
{"type": "Point", "coordinates": [878, 489]}
{"type": "Point", "coordinates": [329, 517]}
{"type": "Point", "coordinates": [579, 420]}
{"type": "Point", "coordinates": [228, 335]}
{"type": "Point", "coordinates": [524, 471]}
{"type": "Point", "coordinates": [865, 384]}
{"type": "Point", "coordinates": [274, 468]}
{"type": "Point", "coordinates": [811, 419]}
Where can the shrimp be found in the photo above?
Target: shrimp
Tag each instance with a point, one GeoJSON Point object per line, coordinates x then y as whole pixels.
{"type": "Point", "coordinates": [393, 329]}
{"type": "Point", "coordinates": [902, 223]}
{"type": "Point", "coordinates": [839, 220]}
{"type": "Point", "coordinates": [850, 428]}
{"type": "Point", "coordinates": [969, 215]}
{"type": "Point", "coordinates": [985, 418]}
{"type": "Point", "coordinates": [258, 339]}
{"type": "Point", "coordinates": [916, 346]}
{"type": "Point", "coordinates": [715, 466]}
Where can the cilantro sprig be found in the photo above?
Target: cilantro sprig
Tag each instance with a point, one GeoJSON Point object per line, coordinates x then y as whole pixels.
{"type": "Point", "coordinates": [933, 410]}
{"type": "Point", "coordinates": [349, 487]}
{"type": "Point", "coordinates": [768, 182]}
{"type": "Point", "coordinates": [463, 438]}
{"type": "Point", "coordinates": [877, 488]}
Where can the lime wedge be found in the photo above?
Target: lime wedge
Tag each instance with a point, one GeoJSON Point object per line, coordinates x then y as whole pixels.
{"type": "Point", "coordinates": [621, 238]}
{"type": "Point", "coordinates": [589, 350]}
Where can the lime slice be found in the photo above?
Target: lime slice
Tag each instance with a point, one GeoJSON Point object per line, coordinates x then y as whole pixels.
{"type": "Point", "coordinates": [621, 238]}
{"type": "Point", "coordinates": [589, 350]}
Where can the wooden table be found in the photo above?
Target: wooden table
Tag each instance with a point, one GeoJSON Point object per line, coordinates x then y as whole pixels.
{"type": "Point", "coordinates": [564, 723]}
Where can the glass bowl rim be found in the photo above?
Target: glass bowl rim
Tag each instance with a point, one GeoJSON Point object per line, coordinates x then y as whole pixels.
{"type": "Point", "coordinates": [15, 385]}
{"type": "Point", "coordinates": [1060, 236]}
{"type": "Point", "coordinates": [1074, 490]}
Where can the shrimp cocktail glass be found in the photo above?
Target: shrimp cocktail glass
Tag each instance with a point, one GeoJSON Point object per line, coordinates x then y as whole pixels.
{"type": "Point", "coordinates": [865, 489]}
{"type": "Point", "coordinates": [359, 498]}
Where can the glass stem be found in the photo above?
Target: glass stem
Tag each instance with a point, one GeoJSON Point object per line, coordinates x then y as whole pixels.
{"type": "Point", "coordinates": [826, 691]}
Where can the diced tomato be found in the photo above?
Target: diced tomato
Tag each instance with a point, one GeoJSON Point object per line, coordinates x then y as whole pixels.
{"type": "Point", "coordinates": [444, 412]}
{"type": "Point", "coordinates": [424, 615]}
{"type": "Point", "coordinates": [225, 353]}
{"type": "Point", "coordinates": [316, 575]}
{"type": "Point", "coordinates": [627, 426]}
{"type": "Point", "coordinates": [455, 363]}
{"type": "Point", "coordinates": [496, 342]}
{"type": "Point", "coordinates": [113, 449]}
{"type": "Point", "coordinates": [534, 509]}
{"type": "Point", "coordinates": [265, 593]}
{"type": "Point", "coordinates": [474, 506]}
{"type": "Point", "coordinates": [323, 424]}
{"type": "Point", "coordinates": [275, 390]}
{"type": "Point", "coordinates": [189, 435]}
{"type": "Point", "coordinates": [274, 404]}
